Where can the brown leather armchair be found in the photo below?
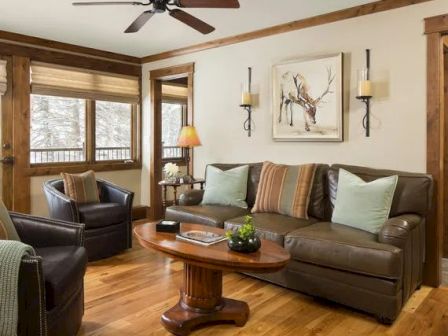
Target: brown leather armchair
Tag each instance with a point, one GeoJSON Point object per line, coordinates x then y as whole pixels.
{"type": "Point", "coordinates": [108, 224]}
{"type": "Point", "coordinates": [51, 286]}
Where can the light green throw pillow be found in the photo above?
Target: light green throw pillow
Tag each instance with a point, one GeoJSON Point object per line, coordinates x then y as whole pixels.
{"type": "Point", "coordinates": [226, 187]}
{"type": "Point", "coordinates": [363, 205]}
{"type": "Point", "coordinates": [7, 225]}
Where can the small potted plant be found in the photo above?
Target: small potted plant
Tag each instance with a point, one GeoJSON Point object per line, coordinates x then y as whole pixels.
{"type": "Point", "coordinates": [244, 239]}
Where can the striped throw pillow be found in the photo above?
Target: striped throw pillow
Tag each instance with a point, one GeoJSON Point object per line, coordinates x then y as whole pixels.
{"type": "Point", "coordinates": [285, 189]}
{"type": "Point", "coordinates": [81, 188]}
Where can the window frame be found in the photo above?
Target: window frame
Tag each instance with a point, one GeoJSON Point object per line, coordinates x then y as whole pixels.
{"type": "Point", "coordinates": [40, 169]}
{"type": "Point", "coordinates": [184, 102]}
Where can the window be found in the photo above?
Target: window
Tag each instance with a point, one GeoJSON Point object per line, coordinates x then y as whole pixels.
{"type": "Point", "coordinates": [58, 129]}
{"type": "Point", "coordinates": [83, 117]}
{"type": "Point", "coordinates": [173, 118]}
{"type": "Point", "coordinates": [113, 128]}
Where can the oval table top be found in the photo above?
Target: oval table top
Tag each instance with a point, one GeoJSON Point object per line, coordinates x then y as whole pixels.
{"type": "Point", "coordinates": [269, 258]}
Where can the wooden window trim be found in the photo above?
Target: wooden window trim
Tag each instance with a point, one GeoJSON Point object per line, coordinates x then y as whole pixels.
{"type": "Point", "coordinates": [42, 169]}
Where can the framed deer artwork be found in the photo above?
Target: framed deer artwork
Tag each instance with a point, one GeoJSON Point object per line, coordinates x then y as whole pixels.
{"type": "Point", "coordinates": [308, 99]}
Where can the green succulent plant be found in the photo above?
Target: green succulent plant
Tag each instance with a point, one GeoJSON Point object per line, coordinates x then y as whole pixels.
{"type": "Point", "coordinates": [245, 232]}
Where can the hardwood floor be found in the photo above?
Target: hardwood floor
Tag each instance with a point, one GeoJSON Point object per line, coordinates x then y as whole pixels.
{"type": "Point", "coordinates": [126, 295]}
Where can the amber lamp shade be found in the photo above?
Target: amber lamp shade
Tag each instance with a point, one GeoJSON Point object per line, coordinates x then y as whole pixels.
{"type": "Point", "coordinates": [188, 137]}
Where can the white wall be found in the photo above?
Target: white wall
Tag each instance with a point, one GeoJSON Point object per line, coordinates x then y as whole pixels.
{"type": "Point", "coordinates": [128, 179]}
{"type": "Point", "coordinates": [398, 134]}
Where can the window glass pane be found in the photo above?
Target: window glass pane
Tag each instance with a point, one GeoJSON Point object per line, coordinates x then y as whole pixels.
{"type": "Point", "coordinates": [171, 126]}
{"type": "Point", "coordinates": [113, 131]}
{"type": "Point", "coordinates": [58, 129]}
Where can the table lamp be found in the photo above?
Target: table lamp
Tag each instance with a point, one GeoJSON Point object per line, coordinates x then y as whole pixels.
{"type": "Point", "coordinates": [188, 139]}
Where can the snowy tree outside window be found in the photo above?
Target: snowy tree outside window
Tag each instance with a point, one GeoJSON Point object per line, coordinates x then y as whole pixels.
{"type": "Point", "coordinates": [113, 131]}
{"type": "Point", "coordinates": [58, 129]}
{"type": "Point", "coordinates": [172, 122]}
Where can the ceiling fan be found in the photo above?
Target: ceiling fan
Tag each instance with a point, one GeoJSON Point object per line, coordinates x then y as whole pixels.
{"type": "Point", "coordinates": [162, 6]}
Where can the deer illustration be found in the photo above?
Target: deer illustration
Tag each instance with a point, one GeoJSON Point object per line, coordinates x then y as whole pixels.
{"type": "Point", "coordinates": [299, 95]}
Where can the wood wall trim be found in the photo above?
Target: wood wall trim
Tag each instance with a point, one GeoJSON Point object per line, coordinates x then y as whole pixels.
{"type": "Point", "coordinates": [437, 141]}
{"type": "Point", "coordinates": [21, 134]}
{"type": "Point", "coordinates": [37, 42]}
{"type": "Point", "coordinates": [344, 14]}
{"type": "Point", "coordinates": [436, 24]}
{"type": "Point", "coordinates": [71, 60]}
{"type": "Point", "coordinates": [75, 168]}
{"type": "Point", "coordinates": [155, 169]}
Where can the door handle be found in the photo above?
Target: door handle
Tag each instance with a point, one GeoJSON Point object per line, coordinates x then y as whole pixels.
{"type": "Point", "coordinates": [7, 160]}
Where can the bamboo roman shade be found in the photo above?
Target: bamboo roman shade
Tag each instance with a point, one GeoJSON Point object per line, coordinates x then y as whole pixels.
{"type": "Point", "coordinates": [3, 78]}
{"type": "Point", "coordinates": [49, 79]}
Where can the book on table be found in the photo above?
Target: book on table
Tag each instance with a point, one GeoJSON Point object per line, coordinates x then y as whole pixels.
{"type": "Point", "coordinates": [204, 238]}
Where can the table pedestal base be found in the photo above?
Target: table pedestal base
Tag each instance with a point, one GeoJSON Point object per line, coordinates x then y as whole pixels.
{"type": "Point", "coordinates": [201, 301]}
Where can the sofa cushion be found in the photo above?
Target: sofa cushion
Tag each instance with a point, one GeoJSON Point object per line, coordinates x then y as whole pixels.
{"type": "Point", "coordinates": [271, 226]}
{"type": "Point", "coordinates": [345, 248]}
{"type": "Point", "coordinates": [285, 189]}
{"type": "Point", "coordinates": [63, 267]}
{"type": "Point", "coordinates": [226, 187]}
{"type": "Point", "coordinates": [96, 215]}
{"type": "Point", "coordinates": [212, 215]}
{"type": "Point", "coordinates": [363, 205]}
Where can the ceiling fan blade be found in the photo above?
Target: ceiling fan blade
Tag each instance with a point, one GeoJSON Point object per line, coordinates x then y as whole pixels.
{"type": "Point", "coordinates": [139, 22]}
{"type": "Point", "coordinates": [208, 3]}
{"type": "Point", "coordinates": [191, 21]}
{"type": "Point", "coordinates": [107, 3]}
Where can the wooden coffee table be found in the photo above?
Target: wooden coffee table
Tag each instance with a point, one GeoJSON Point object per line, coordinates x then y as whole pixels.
{"type": "Point", "coordinates": [201, 298]}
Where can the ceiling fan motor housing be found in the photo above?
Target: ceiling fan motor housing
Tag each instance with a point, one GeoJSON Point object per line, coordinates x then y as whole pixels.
{"type": "Point", "coordinates": [159, 6]}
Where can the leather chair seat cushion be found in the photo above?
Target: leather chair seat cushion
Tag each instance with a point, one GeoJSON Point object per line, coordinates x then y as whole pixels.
{"type": "Point", "coordinates": [63, 269]}
{"type": "Point", "coordinates": [96, 215]}
{"type": "Point", "coordinates": [345, 248]}
{"type": "Point", "coordinates": [271, 226]}
{"type": "Point", "coordinates": [212, 215]}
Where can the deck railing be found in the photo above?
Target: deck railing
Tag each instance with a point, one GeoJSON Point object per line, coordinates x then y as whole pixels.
{"type": "Point", "coordinates": [61, 155]}
{"type": "Point", "coordinates": [172, 152]}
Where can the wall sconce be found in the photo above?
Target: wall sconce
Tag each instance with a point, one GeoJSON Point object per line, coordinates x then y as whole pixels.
{"type": "Point", "coordinates": [365, 91]}
{"type": "Point", "coordinates": [247, 103]}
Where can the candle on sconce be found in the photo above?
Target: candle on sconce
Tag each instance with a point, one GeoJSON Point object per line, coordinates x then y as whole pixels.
{"type": "Point", "coordinates": [365, 88]}
{"type": "Point", "coordinates": [246, 98]}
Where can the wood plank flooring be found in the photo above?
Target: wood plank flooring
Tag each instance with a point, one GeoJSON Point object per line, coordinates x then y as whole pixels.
{"type": "Point", "coordinates": [125, 296]}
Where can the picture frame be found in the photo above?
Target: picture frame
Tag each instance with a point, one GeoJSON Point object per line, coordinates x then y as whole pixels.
{"type": "Point", "coordinates": [308, 99]}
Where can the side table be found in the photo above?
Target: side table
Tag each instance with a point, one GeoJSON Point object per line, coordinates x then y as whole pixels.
{"type": "Point", "coordinates": [167, 184]}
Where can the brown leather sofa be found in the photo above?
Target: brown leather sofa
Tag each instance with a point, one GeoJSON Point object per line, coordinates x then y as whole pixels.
{"type": "Point", "coordinates": [108, 224]}
{"type": "Point", "coordinates": [51, 284]}
{"type": "Point", "coordinates": [375, 273]}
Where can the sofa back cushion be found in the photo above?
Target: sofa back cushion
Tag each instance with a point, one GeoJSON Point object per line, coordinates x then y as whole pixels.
{"type": "Point", "coordinates": [318, 204]}
{"type": "Point", "coordinates": [413, 193]}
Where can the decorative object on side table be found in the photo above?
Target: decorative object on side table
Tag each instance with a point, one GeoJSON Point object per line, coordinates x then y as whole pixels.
{"type": "Point", "coordinates": [307, 99]}
{"type": "Point", "coordinates": [188, 139]}
{"type": "Point", "coordinates": [171, 172]}
{"type": "Point", "coordinates": [247, 104]}
{"type": "Point", "coordinates": [365, 91]}
{"type": "Point", "coordinates": [245, 239]}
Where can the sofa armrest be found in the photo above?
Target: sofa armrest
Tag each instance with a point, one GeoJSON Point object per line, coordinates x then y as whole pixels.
{"type": "Point", "coordinates": [407, 232]}
{"type": "Point", "coordinates": [111, 193]}
{"type": "Point", "coordinates": [397, 230]}
{"type": "Point", "coordinates": [191, 197]}
{"type": "Point", "coordinates": [31, 311]}
{"type": "Point", "coordinates": [60, 205]}
{"type": "Point", "coordinates": [43, 232]}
